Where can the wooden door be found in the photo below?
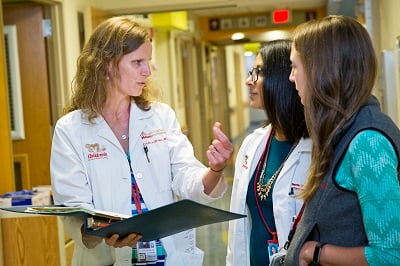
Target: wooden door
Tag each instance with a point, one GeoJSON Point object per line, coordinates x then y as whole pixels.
{"type": "Point", "coordinates": [31, 241]}
{"type": "Point", "coordinates": [32, 152]}
{"type": "Point", "coordinates": [6, 149]}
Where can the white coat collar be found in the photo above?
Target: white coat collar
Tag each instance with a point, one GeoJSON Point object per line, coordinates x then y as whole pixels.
{"type": "Point", "coordinates": [303, 146]}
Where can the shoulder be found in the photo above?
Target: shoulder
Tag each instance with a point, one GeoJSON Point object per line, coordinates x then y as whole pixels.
{"type": "Point", "coordinates": [157, 109]}
{"type": "Point", "coordinates": [160, 106]}
{"type": "Point", "coordinates": [369, 154]}
{"type": "Point", "coordinates": [371, 142]}
{"type": "Point", "coordinates": [304, 145]}
{"type": "Point", "coordinates": [72, 118]}
{"type": "Point", "coordinates": [255, 140]}
{"type": "Point", "coordinates": [162, 114]}
{"type": "Point", "coordinates": [162, 109]}
{"type": "Point", "coordinates": [258, 133]}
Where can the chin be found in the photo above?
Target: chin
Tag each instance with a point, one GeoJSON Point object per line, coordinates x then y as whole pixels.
{"type": "Point", "coordinates": [255, 106]}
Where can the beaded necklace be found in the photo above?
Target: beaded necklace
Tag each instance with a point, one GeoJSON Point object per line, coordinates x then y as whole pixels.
{"type": "Point", "coordinates": [261, 188]}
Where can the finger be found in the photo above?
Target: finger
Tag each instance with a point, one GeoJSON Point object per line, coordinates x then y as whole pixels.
{"type": "Point", "coordinates": [217, 124]}
{"type": "Point", "coordinates": [226, 150]}
{"type": "Point", "coordinates": [216, 160]}
{"type": "Point", "coordinates": [112, 240]}
{"type": "Point", "coordinates": [211, 153]}
{"type": "Point", "coordinates": [130, 240]}
{"type": "Point", "coordinates": [136, 238]}
{"type": "Point", "coordinates": [218, 153]}
{"type": "Point", "coordinates": [218, 134]}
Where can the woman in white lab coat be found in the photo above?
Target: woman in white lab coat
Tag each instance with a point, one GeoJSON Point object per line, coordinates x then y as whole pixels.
{"type": "Point", "coordinates": [272, 163]}
{"type": "Point", "coordinates": [118, 150]}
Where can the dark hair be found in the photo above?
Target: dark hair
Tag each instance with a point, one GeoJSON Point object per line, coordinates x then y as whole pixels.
{"type": "Point", "coordinates": [282, 103]}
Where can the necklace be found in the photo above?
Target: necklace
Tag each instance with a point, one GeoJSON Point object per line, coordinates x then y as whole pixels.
{"type": "Point", "coordinates": [264, 189]}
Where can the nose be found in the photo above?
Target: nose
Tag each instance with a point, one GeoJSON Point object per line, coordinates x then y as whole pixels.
{"type": "Point", "coordinates": [291, 76]}
{"type": "Point", "coordinates": [146, 70]}
{"type": "Point", "coordinates": [249, 82]}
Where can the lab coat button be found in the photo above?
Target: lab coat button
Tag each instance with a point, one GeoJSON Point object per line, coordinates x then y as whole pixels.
{"type": "Point", "coordinates": [139, 175]}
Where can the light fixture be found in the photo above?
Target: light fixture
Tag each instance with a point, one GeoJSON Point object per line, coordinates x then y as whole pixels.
{"type": "Point", "coordinates": [237, 36]}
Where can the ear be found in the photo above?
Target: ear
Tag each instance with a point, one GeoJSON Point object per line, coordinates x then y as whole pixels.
{"type": "Point", "coordinates": [110, 69]}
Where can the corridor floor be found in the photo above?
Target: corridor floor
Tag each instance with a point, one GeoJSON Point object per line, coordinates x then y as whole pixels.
{"type": "Point", "coordinates": [212, 239]}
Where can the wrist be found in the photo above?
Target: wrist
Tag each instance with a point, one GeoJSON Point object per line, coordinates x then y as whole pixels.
{"type": "Point", "coordinates": [317, 254]}
{"type": "Point", "coordinates": [217, 171]}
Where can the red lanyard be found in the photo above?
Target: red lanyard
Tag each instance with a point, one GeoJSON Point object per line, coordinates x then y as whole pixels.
{"type": "Point", "coordinates": [136, 197]}
{"type": "Point", "coordinates": [294, 226]}
{"type": "Point", "coordinates": [135, 191]}
{"type": "Point", "coordinates": [263, 157]}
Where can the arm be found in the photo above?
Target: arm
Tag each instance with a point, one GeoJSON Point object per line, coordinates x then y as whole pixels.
{"type": "Point", "coordinates": [379, 196]}
{"type": "Point", "coordinates": [71, 187]}
{"type": "Point", "coordinates": [331, 255]}
{"type": "Point", "coordinates": [190, 177]}
{"type": "Point", "coordinates": [218, 154]}
{"type": "Point", "coordinates": [369, 168]}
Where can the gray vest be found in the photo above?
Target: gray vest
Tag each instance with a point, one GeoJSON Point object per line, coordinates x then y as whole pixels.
{"type": "Point", "coordinates": [333, 215]}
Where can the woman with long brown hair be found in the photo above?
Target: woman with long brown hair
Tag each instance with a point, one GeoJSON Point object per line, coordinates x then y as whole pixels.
{"type": "Point", "coordinates": [352, 195]}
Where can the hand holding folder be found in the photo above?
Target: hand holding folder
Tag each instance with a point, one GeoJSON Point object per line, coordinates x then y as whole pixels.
{"type": "Point", "coordinates": [154, 224]}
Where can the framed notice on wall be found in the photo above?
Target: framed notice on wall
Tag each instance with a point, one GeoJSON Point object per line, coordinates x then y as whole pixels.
{"type": "Point", "coordinates": [14, 83]}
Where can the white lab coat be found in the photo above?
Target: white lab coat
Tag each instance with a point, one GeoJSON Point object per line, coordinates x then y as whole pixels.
{"type": "Point", "coordinates": [285, 207]}
{"type": "Point", "coordinates": [89, 169]}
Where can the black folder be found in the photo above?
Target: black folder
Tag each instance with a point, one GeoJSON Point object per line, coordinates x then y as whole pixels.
{"type": "Point", "coordinates": [154, 224]}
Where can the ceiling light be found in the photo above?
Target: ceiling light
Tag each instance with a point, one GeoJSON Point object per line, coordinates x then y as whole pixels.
{"type": "Point", "coordinates": [237, 36]}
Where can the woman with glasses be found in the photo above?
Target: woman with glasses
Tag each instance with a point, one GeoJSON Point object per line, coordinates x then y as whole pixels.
{"type": "Point", "coordinates": [272, 162]}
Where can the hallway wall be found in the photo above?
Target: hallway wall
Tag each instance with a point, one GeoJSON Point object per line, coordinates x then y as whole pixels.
{"type": "Point", "coordinates": [390, 39]}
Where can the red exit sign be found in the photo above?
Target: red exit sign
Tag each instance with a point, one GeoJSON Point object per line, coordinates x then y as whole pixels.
{"type": "Point", "coordinates": [281, 16]}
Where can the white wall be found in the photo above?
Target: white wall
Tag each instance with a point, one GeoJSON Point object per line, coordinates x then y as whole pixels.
{"type": "Point", "coordinates": [71, 33]}
{"type": "Point", "coordinates": [161, 56]}
{"type": "Point", "coordinates": [235, 103]}
{"type": "Point", "coordinates": [390, 30]}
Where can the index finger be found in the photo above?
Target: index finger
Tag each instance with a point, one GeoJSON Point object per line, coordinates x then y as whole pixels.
{"type": "Point", "coordinates": [220, 135]}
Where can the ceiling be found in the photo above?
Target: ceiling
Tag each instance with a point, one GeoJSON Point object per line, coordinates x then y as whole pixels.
{"type": "Point", "coordinates": [259, 6]}
{"type": "Point", "coordinates": [215, 8]}
{"type": "Point", "coordinates": [209, 7]}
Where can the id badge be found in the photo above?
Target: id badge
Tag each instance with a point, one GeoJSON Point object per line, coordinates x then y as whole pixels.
{"type": "Point", "coordinates": [146, 251]}
{"type": "Point", "coordinates": [273, 247]}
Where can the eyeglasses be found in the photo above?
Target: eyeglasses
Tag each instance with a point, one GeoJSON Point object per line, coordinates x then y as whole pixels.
{"type": "Point", "coordinates": [254, 73]}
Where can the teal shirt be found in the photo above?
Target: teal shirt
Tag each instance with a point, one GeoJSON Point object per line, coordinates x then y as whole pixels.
{"type": "Point", "coordinates": [259, 235]}
{"type": "Point", "coordinates": [369, 168]}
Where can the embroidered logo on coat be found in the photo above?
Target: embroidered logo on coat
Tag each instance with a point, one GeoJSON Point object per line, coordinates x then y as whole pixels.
{"type": "Point", "coordinates": [96, 152]}
{"type": "Point", "coordinates": [244, 165]}
{"type": "Point", "coordinates": [153, 136]}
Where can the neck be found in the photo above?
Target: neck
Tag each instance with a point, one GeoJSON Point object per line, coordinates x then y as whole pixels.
{"type": "Point", "coordinates": [280, 136]}
{"type": "Point", "coordinates": [116, 112]}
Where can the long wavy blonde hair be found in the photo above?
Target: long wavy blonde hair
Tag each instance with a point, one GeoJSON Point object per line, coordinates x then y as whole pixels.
{"type": "Point", "coordinates": [110, 41]}
{"type": "Point", "coordinates": [340, 68]}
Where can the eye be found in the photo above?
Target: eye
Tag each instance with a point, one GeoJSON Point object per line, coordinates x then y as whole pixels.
{"type": "Point", "coordinates": [138, 62]}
